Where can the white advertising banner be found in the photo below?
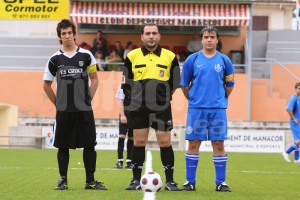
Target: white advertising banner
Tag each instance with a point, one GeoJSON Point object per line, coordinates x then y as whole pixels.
{"type": "Point", "coordinates": [107, 138]}
{"type": "Point", "coordinates": [263, 141]}
{"type": "Point", "coordinates": [48, 132]}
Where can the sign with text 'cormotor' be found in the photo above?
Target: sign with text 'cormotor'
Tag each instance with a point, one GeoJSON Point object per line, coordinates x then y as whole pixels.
{"type": "Point", "coordinates": [34, 9]}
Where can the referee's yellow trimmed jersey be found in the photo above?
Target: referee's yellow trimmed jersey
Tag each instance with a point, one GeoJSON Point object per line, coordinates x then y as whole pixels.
{"type": "Point", "coordinates": [151, 65]}
{"type": "Point", "coordinates": [159, 69]}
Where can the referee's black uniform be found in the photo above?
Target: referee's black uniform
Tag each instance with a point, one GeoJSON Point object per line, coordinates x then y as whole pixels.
{"type": "Point", "coordinates": [151, 77]}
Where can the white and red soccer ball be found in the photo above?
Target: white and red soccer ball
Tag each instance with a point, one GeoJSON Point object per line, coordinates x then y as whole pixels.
{"type": "Point", "coordinates": [151, 182]}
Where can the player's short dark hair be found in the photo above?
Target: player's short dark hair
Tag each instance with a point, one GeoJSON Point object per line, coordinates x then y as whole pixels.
{"type": "Point", "coordinates": [149, 24]}
{"type": "Point", "coordinates": [209, 29]}
{"type": "Point", "coordinates": [297, 84]}
{"type": "Point", "coordinates": [63, 24]}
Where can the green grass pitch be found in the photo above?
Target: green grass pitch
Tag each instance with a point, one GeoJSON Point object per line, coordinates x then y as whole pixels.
{"type": "Point", "coordinates": [33, 174]}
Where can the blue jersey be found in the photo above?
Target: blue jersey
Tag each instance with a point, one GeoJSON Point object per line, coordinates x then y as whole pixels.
{"type": "Point", "coordinates": [294, 105]}
{"type": "Point", "coordinates": [207, 79]}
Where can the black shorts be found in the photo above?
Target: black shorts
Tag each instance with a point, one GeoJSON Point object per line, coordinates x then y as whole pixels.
{"type": "Point", "coordinates": [75, 130]}
{"type": "Point", "coordinates": [145, 118]}
{"type": "Point", "coordinates": [125, 130]}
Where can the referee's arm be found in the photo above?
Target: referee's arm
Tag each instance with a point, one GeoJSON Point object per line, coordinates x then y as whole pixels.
{"type": "Point", "coordinates": [127, 79]}
{"type": "Point", "coordinates": [174, 75]}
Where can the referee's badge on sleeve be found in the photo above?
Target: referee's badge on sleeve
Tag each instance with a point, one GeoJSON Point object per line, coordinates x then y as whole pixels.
{"type": "Point", "coordinates": [162, 73]}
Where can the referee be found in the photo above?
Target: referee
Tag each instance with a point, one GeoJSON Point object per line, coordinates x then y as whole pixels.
{"type": "Point", "coordinates": [152, 74]}
{"type": "Point", "coordinates": [73, 67]}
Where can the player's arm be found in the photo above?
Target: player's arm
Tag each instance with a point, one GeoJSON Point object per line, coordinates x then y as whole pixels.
{"type": "Point", "coordinates": [186, 76]}
{"type": "Point", "coordinates": [291, 109]}
{"type": "Point", "coordinates": [290, 112]}
{"type": "Point", "coordinates": [49, 91]}
{"type": "Point", "coordinates": [185, 91]}
{"type": "Point", "coordinates": [229, 76]}
{"type": "Point", "coordinates": [94, 84]}
{"type": "Point", "coordinates": [228, 90]}
{"type": "Point", "coordinates": [94, 80]}
{"type": "Point", "coordinates": [229, 83]}
{"type": "Point", "coordinates": [123, 117]}
{"type": "Point", "coordinates": [49, 74]}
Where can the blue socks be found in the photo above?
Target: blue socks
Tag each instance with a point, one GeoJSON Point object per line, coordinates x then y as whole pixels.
{"type": "Point", "coordinates": [220, 168]}
{"type": "Point", "coordinates": [191, 162]}
{"type": "Point", "coordinates": [292, 148]}
{"type": "Point", "coordinates": [296, 153]}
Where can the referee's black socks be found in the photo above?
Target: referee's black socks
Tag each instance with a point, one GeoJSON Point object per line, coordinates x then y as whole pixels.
{"type": "Point", "coordinates": [167, 159]}
{"type": "Point", "coordinates": [138, 159]}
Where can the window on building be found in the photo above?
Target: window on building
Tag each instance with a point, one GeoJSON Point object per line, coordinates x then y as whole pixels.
{"type": "Point", "coordinates": [260, 23]}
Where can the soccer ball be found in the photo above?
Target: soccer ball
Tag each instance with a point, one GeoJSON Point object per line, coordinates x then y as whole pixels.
{"type": "Point", "coordinates": [151, 182]}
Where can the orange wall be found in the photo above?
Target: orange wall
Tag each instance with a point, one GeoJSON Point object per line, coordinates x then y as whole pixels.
{"type": "Point", "coordinates": [237, 107]}
{"type": "Point", "coordinates": [24, 89]}
{"type": "Point", "coordinates": [265, 106]}
{"type": "Point", "coordinates": [283, 82]}
{"type": "Point", "coordinates": [229, 42]}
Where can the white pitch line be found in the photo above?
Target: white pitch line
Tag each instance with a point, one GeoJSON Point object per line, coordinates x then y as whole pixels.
{"type": "Point", "coordinates": [262, 172]}
{"type": "Point", "coordinates": [148, 168]}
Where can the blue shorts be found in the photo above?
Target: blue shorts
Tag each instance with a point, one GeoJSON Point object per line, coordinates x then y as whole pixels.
{"type": "Point", "coordinates": [206, 124]}
{"type": "Point", "coordinates": [295, 130]}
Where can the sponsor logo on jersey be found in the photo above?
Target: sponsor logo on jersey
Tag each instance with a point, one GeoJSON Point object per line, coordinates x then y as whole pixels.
{"type": "Point", "coordinates": [70, 72]}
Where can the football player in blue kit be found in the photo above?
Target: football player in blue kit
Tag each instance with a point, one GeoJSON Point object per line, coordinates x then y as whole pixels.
{"type": "Point", "coordinates": [207, 80]}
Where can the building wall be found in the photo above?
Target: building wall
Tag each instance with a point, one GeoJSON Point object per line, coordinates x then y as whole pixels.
{"type": "Point", "coordinates": [28, 28]}
{"type": "Point", "coordinates": [280, 17]}
{"type": "Point", "coordinates": [47, 29]}
{"type": "Point", "coordinates": [229, 42]}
